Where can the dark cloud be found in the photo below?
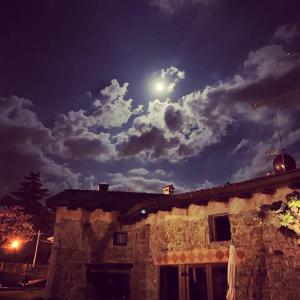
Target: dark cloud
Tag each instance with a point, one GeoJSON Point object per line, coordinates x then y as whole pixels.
{"type": "Point", "coordinates": [80, 134]}
{"type": "Point", "coordinates": [84, 148]}
{"type": "Point", "coordinates": [288, 34]}
{"type": "Point", "coordinates": [24, 139]}
{"type": "Point", "coordinates": [173, 118]}
{"type": "Point", "coordinates": [109, 128]}
{"type": "Point", "coordinates": [175, 130]}
{"type": "Point", "coordinates": [150, 144]}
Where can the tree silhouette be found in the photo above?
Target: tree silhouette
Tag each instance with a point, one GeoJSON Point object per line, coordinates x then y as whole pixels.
{"type": "Point", "coordinates": [28, 196]}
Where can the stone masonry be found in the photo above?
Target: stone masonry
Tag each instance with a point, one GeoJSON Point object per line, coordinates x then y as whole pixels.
{"type": "Point", "coordinates": [268, 263]}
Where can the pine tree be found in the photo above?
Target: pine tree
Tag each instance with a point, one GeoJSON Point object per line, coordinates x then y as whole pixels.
{"type": "Point", "coordinates": [29, 194]}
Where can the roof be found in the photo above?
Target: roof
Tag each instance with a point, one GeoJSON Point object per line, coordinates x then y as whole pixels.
{"type": "Point", "coordinates": [106, 200]}
{"type": "Point", "coordinates": [130, 204]}
{"type": "Point", "coordinates": [244, 189]}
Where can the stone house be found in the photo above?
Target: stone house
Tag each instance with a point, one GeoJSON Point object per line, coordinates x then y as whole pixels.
{"type": "Point", "coordinates": [125, 245]}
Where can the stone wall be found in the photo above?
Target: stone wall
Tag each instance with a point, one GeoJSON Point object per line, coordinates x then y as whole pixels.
{"type": "Point", "coordinates": [180, 236]}
{"type": "Point", "coordinates": [144, 280]}
{"type": "Point", "coordinates": [282, 261]}
{"type": "Point", "coordinates": [251, 274]}
{"type": "Point", "coordinates": [82, 237]}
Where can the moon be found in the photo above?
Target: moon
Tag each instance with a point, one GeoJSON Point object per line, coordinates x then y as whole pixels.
{"type": "Point", "coordinates": [160, 86]}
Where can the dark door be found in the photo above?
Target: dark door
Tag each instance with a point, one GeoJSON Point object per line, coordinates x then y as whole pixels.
{"type": "Point", "coordinates": [110, 281]}
{"type": "Point", "coordinates": [112, 286]}
{"type": "Point", "coordinates": [169, 283]}
{"type": "Point", "coordinates": [198, 283]}
{"type": "Point", "coordinates": [219, 282]}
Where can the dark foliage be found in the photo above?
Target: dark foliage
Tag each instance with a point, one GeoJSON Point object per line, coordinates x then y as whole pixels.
{"type": "Point", "coordinates": [30, 193]}
{"type": "Point", "coordinates": [293, 195]}
{"type": "Point", "coordinates": [270, 207]}
{"type": "Point", "coordinates": [28, 196]}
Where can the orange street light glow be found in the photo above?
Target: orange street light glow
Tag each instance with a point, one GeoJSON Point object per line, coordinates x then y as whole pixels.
{"type": "Point", "coordinates": [15, 244]}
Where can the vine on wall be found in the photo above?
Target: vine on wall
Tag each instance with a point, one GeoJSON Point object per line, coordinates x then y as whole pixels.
{"type": "Point", "coordinates": [289, 215]}
{"type": "Point", "coordinates": [286, 214]}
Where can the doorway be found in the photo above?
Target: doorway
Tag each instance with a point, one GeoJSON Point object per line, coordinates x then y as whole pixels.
{"type": "Point", "coordinates": [193, 282]}
{"type": "Point", "coordinates": [110, 281]}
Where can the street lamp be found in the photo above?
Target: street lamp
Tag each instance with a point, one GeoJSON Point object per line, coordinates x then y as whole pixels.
{"type": "Point", "coordinates": [15, 244]}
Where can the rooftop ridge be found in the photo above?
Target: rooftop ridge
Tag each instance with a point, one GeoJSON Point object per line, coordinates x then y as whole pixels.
{"type": "Point", "coordinates": [103, 192]}
{"type": "Point", "coordinates": [218, 187]}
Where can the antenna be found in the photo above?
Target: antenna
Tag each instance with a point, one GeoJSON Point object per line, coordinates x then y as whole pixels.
{"type": "Point", "coordinates": [271, 102]}
{"type": "Point", "coordinates": [275, 99]}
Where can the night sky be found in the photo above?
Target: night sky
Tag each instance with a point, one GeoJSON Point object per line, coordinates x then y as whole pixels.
{"type": "Point", "coordinates": [141, 93]}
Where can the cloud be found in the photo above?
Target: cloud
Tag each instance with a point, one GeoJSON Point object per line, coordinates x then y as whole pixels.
{"type": "Point", "coordinates": [139, 183]}
{"type": "Point", "coordinates": [139, 172]}
{"type": "Point", "coordinates": [271, 61]}
{"type": "Point", "coordinates": [23, 149]}
{"type": "Point", "coordinates": [90, 183]}
{"type": "Point", "coordinates": [206, 185]}
{"type": "Point", "coordinates": [173, 6]}
{"type": "Point", "coordinates": [175, 130]}
{"type": "Point", "coordinates": [160, 172]}
{"type": "Point", "coordinates": [172, 76]}
{"type": "Point", "coordinates": [90, 146]}
{"type": "Point", "coordinates": [113, 110]}
{"type": "Point", "coordinates": [79, 134]}
{"type": "Point", "coordinates": [109, 128]}
{"type": "Point", "coordinates": [73, 138]}
{"type": "Point", "coordinates": [287, 33]}
{"type": "Point", "coordinates": [241, 145]}
{"type": "Point", "coordinates": [141, 180]}
{"type": "Point", "coordinates": [256, 164]}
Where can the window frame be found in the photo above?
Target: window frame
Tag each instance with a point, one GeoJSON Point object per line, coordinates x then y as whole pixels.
{"type": "Point", "coordinates": [120, 234]}
{"type": "Point", "coordinates": [212, 227]}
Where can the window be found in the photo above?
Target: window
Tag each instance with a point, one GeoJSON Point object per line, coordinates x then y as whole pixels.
{"type": "Point", "coordinates": [120, 239]}
{"type": "Point", "coordinates": [219, 228]}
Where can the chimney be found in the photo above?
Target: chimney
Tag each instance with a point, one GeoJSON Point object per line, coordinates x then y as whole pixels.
{"type": "Point", "coordinates": [168, 189]}
{"type": "Point", "coordinates": [103, 187]}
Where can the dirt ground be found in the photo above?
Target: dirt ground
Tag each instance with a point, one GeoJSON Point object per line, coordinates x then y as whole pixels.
{"type": "Point", "coordinates": [21, 295]}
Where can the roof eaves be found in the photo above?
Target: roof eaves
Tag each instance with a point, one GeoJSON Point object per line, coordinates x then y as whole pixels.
{"type": "Point", "coordinates": [242, 189]}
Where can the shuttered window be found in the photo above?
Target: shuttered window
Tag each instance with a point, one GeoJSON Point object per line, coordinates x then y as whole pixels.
{"type": "Point", "coordinates": [120, 239]}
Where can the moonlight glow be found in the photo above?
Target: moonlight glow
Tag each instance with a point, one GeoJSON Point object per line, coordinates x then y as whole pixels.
{"type": "Point", "coordinates": [160, 86]}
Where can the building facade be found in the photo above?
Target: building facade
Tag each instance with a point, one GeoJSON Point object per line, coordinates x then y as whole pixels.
{"type": "Point", "coordinates": [121, 245]}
